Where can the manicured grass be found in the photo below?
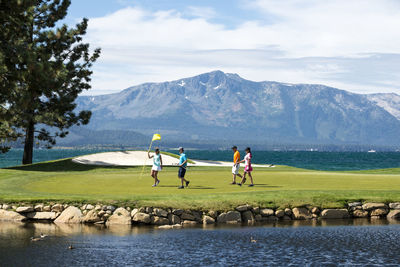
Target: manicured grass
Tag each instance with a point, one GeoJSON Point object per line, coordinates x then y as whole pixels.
{"type": "Point", "coordinates": [66, 181]}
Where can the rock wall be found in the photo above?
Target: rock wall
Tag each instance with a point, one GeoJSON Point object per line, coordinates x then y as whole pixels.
{"type": "Point", "coordinates": [176, 218]}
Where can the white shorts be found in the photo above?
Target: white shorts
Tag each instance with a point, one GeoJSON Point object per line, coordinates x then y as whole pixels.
{"type": "Point", "coordinates": [235, 169]}
{"type": "Point", "coordinates": [156, 168]}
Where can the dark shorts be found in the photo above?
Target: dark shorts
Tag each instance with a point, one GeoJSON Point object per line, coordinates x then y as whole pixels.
{"type": "Point", "coordinates": [181, 172]}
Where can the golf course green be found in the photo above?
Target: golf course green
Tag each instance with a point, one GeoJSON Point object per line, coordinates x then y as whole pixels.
{"type": "Point", "coordinates": [282, 186]}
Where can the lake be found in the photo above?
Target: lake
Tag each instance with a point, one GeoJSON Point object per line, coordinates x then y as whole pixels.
{"type": "Point", "coordinates": [297, 243]}
{"type": "Point", "coordinates": [332, 161]}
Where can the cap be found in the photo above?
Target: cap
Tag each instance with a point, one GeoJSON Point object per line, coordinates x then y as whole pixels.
{"type": "Point", "coordinates": [234, 147]}
{"type": "Point", "coordinates": [180, 148]}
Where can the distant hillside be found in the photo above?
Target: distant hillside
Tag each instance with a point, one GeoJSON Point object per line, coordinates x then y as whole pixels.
{"type": "Point", "coordinates": [221, 106]}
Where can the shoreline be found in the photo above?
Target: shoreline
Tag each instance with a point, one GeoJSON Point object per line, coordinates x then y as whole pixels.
{"type": "Point", "coordinates": [169, 218]}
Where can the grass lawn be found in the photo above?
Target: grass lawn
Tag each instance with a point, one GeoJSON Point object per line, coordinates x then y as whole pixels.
{"type": "Point", "coordinates": [283, 186]}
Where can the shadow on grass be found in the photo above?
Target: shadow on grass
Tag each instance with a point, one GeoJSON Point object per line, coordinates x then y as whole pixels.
{"type": "Point", "coordinates": [66, 165]}
{"type": "Point", "coordinates": [190, 187]}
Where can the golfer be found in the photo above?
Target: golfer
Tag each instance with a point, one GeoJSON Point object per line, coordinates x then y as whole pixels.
{"type": "Point", "coordinates": [182, 168]}
{"type": "Point", "coordinates": [157, 166]}
{"type": "Point", "coordinates": [236, 164]}
{"type": "Point", "coordinates": [247, 168]}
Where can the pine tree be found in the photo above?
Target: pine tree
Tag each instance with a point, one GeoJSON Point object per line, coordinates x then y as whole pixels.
{"type": "Point", "coordinates": [49, 67]}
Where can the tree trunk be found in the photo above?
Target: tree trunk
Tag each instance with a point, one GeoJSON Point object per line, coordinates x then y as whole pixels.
{"type": "Point", "coordinates": [29, 139]}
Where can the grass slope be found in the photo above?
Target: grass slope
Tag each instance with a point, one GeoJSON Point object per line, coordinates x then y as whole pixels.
{"type": "Point", "coordinates": [66, 181]}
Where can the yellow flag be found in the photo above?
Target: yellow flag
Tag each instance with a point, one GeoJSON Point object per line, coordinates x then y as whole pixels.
{"type": "Point", "coordinates": [156, 137]}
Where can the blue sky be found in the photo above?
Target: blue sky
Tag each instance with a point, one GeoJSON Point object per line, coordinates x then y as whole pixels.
{"type": "Point", "coordinates": [349, 44]}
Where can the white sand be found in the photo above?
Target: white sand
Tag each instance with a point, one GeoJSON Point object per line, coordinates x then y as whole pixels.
{"type": "Point", "coordinates": [139, 158]}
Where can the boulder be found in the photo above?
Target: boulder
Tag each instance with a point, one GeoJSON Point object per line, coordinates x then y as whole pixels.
{"type": "Point", "coordinates": [243, 208]}
{"type": "Point", "coordinates": [174, 219]}
{"type": "Point", "coordinates": [24, 209]}
{"type": "Point", "coordinates": [286, 218]}
{"type": "Point", "coordinates": [188, 216]}
{"type": "Point", "coordinates": [379, 212]}
{"type": "Point", "coordinates": [178, 212]}
{"type": "Point", "coordinates": [372, 206]}
{"type": "Point", "coordinates": [267, 212]}
{"type": "Point", "coordinates": [92, 217]}
{"type": "Point", "coordinates": [165, 227]}
{"type": "Point", "coordinates": [13, 216]}
{"type": "Point", "coordinates": [208, 220]}
{"type": "Point", "coordinates": [258, 218]}
{"type": "Point", "coordinates": [120, 216]}
{"type": "Point", "coordinates": [42, 215]}
{"type": "Point", "coordinates": [394, 214]}
{"type": "Point", "coordinates": [213, 214]}
{"type": "Point", "coordinates": [109, 212]}
{"type": "Point", "coordinates": [334, 214]}
{"type": "Point", "coordinates": [360, 214]}
{"type": "Point", "coordinates": [133, 212]}
{"type": "Point", "coordinates": [39, 207]}
{"type": "Point", "coordinates": [101, 213]}
{"type": "Point", "coordinates": [198, 215]}
{"type": "Point", "coordinates": [160, 213]}
{"type": "Point", "coordinates": [156, 220]}
{"type": "Point", "coordinates": [288, 212]}
{"type": "Point", "coordinates": [393, 206]}
{"type": "Point", "coordinates": [230, 217]}
{"type": "Point", "coordinates": [46, 208]}
{"type": "Point", "coordinates": [315, 210]}
{"type": "Point", "coordinates": [111, 208]}
{"type": "Point", "coordinates": [189, 223]}
{"type": "Point", "coordinates": [301, 214]}
{"type": "Point", "coordinates": [279, 213]}
{"type": "Point", "coordinates": [248, 217]}
{"type": "Point", "coordinates": [57, 208]}
{"type": "Point", "coordinates": [141, 217]}
{"type": "Point", "coordinates": [256, 210]}
{"type": "Point", "coordinates": [89, 207]}
{"type": "Point", "coordinates": [70, 215]}
{"type": "Point", "coordinates": [354, 204]}
{"type": "Point", "coordinates": [6, 207]}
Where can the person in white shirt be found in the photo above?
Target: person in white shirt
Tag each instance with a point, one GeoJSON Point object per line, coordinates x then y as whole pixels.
{"type": "Point", "coordinates": [157, 165]}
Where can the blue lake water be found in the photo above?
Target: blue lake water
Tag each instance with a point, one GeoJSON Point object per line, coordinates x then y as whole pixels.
{"type": "Point", "coordinates": [338, 161]}
{"type": "Point", "coordinates": [347, 243]}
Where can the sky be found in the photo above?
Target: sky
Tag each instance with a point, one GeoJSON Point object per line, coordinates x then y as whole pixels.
{"type": "Point", "coordinates": [348, 44]}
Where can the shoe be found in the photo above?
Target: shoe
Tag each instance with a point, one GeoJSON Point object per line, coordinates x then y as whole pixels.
{"type": "Point", "coordinates": [181, 187]}
{"type": "Point", "coordinates": [239, 184]}
{"type": "Point", "coordinates": [158, 181]}
{"type": "Point", "coordinates": [233, 183]}
{"type": "Point", "coordinates": [251, 185]}
{"type": "Point", "coordinates": [154, 185]}
{"type": "Point", "coordinates": [187, 183]}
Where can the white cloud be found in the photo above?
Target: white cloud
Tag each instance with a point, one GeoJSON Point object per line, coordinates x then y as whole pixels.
{"type": "Point", "coordinates": [331, 42]}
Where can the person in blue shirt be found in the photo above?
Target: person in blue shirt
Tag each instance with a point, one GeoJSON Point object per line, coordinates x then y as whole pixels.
{"type": "Point", "coordinates": [157, 165]}
{"type": "Point", "coordinates": [182, 168]}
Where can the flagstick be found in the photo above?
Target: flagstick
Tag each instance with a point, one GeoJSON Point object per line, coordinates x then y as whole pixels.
{"type": "Point", "coordinates": [145, 160]}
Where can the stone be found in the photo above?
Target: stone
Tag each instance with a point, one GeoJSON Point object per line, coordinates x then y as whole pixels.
{"type": "Point", "coordinates": [375, 217]}
{"type": "Point", "coordinates": [65, 206]}
{"type": "Point", "coordinates": [187, 216]}
{"type": "Point", "coordinates": [89, 207]}
{"type": "Point", "coordinates": [128, 209]}
{"type": "Point", "coordinates": [379, 212]}
{"type": "Point", "coordinates": [315, 210]}
{"type": "Point", "coordinates": [100, 222]}
{"type": "Point", "coordinates": [70, 215]}
{"type": "Point", "coordinates": [315, 216]}
{"type": "Point", "coordinates": [83, 207]}
{"type": "Point", "coordinates": [42, 215]}
{"type": "Point", "coordinates": [243, 208]}
{"type": "Point", "coordinates": [14, 207]}
{"type": "Point", "coordinates": [120, 216]}
{"type": "Point", "coordinates": [372, 206]}
{"type": "Point", "coordinates": [394, 214]}
{"type": "Point", "coordinates": [301, 213]}
{"type": "Point", "coordinates": [46, 208]}
{"type": "Point", "coordinates": [360, 214]}
{"type": "Point", "coordinates": [176, 226]}
{"type": "Point", "coordinates": [24, 209]}
{"type": "Point", "coordinates": [258, 218]}
{"type": "Point", "coordinates": [256, 210]}
{"type": "Point", "coordinates": [394, 206]}
{"type": "Point", "coordinates": [106, 216]}
{"type": "Point", "coordinates": [288, 212]}
{"type": "Point", "coordinates": [354, 204]}
{"type": "Point", "coordinates": [133, 212]}
{"type": "Point", "coordinates": [189, 223]}
{"type": "Point", "coordinates": [230, 217]}
{"type": "Point", "coordinates": [334, 214]}
{"type": "Point", "coordinates": [174, 219]}
{"type": "Point", "coordinates": [109, 212]}
{"type": "Point", "coordinates": [104, 207]}
{"type": "Point", "coordinates": [12, 216]}
{"type": "Point", "coordinates": [213, 214]}
{"type": "Point", "coordinates": [57, 208]}
{"type": "Point", "coordinates": [248, 217]}
{"type": "Point", "coordinates": [286, 218]}
{"type": "Point", "coordinates": [208, 220]}
{"type": "Point", "coordinates": [101, 213]}
{"type": "Point", "coordinates": [178, 212]}
{"type": "Point", "coordinates": [160, 213]}
{"type": "Point", "coordinates": [98, 207]}
{"type": "Point", "coordinates": [92, 217]}
{"type": "Point", "coordinates": [111, 208]}
{"type": "Point", "coordinates": [141, 217]}
{"type": "Point", "coordinates": [279, 213]}
{"type": "Point", "coordinates": [39, 207]}
{"type": "Point", "coordinates": [198, 215]}
{"type": "Point", "coordinates": [267, 212]}
{"type": "Point", "coordinates": [156, 220]}
{"type": "Point", "coordinates": [149, 210]}
{"type": "Point", "coordinates": [84, 212]}
{"type": "Point", "coordinates": [6, 207]}
{"type": "Point", "coordinates": [165, 227]}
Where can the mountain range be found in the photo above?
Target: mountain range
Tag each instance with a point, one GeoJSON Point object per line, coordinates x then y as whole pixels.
{"type": "Point", "coordinates": [218, 107]}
